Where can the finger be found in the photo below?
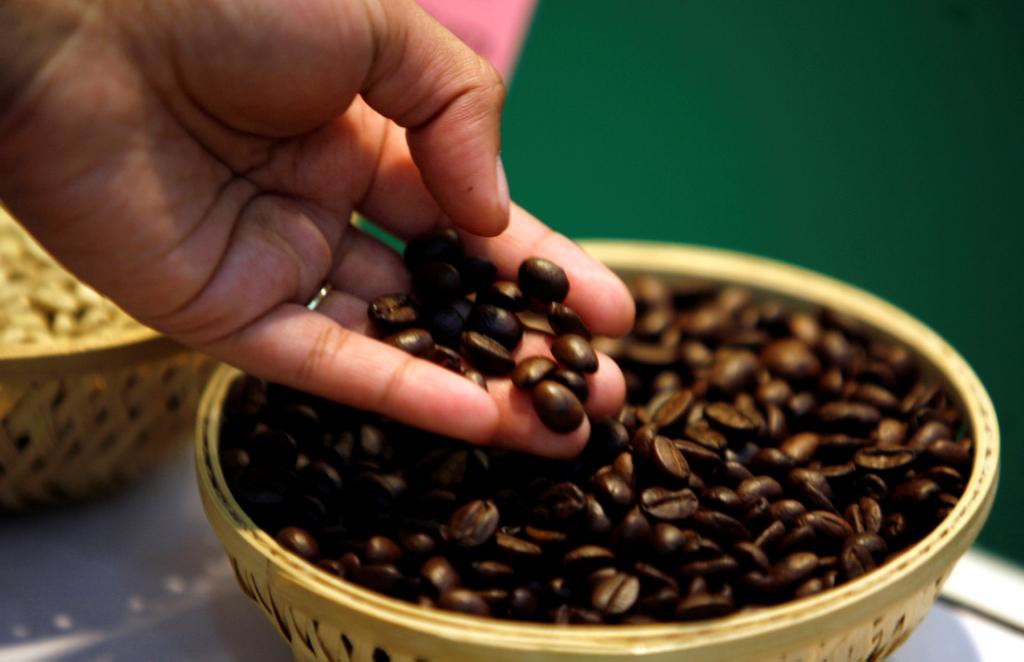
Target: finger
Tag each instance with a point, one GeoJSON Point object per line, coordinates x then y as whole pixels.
{"type": "Point", "coordinates": [367, 268]}
{"type": "Point", "coordinates": [595, 293]}
{"type": "Point", "coordinates": [312, 352]}
{"type": "Point", "coordinates": [345, 309]}
{"type": "Point", "coordinates": [450, 100]}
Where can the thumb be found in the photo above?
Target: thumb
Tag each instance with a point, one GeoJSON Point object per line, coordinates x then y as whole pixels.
{"type": "Point", "coordinates": [449, 99]}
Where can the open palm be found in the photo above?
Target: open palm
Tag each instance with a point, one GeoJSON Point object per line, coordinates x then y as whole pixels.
{"type": "Point", "coordinates": [199, 161]}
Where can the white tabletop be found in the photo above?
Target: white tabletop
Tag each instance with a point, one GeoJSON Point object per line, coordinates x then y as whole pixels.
{"type": "Point", "coordinates": [140, 576]}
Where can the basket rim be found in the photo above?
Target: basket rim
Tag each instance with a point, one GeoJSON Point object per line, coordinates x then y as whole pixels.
{"type": "Point", "coordinates": [831, 610]}
{"type": "Point", "coordinates": [101, 350]}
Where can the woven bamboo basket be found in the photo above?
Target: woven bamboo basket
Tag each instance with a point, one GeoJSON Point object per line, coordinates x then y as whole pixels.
{"type": "Point", "coordinates": [79, 417]}
{"type": "Point", "coordinates": [326, 618]}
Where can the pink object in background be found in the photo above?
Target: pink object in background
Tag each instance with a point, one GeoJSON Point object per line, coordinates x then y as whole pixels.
{"type": "Point", "coordinates": [493, 28]}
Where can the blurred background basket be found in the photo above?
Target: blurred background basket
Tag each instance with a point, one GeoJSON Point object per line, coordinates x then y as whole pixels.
{"type": "Point", "coordinates": [82, 412]}
{"type": "Point", "coordinates": [326, 618]}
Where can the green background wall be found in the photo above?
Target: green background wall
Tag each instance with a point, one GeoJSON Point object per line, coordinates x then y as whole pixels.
{"type": "Point", "coordinates": [882, 143]}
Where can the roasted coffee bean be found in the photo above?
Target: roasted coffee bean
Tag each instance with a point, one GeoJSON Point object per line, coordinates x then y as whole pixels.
{"type": "Point", "coordinates": [883, 460]}
{"type": "Point", "coordinates": [633, 531]}
{"type": "Point", "coordinates": [487, 354]}
{"type": "Point", "coordinates": [801, 446]}
{"type": "Point", "coordinates": [916, 492]}
{"type": "Point", "coordinates": [586, 559]}
{"type": "Point", "coordinates": [272, 449]}
{"type": "Point", "coordinates": [849, 415]}
{"type": "Point", "coordinates": [729, 420]}
{"type": "Point", "coordinates": [572, 380]}
{"type": "Point", "coordinates": [558, 408]}
{"type": "Point", "coordinates": [412, 341]}
{"type": "Point", "coordinates": [299, 542]}
{"type": "Point", "coordinates": [616, 594]}
{"type": "Point", "coordinates": [948, 478]}
{"type": "Point", "coordinates": [437, 282]}
{"type": "Point", "coordinates": [771, 461]}
{"type": "Point", "coordinates": [668, 539]}
{"type": "Point", "coordinates": [733, 370]}
{"type": "Point", "coordinates": [464, 601]}
{"type": "Point", "coordinates": [668, 460]}
{"type": "Point", "coordinates": [445, 324]}
{"type": "Point", "coordinates": [826, 525]}
{"type": "Point", "coordinates": [670, 418]}
{"type": "Point", "coordinates": [320, 479]}
{"type": "Point", "coordinates": [877, 396]}
{"type": "Point", "coordinates": [445, 357]}
{"type": "Point", "coordinates": [787, 511]}
{"type": "Point", "coordinates": [475, 376]}
{"type": "Point", "coordinates": [699, 456]}
{"type": "Point", "coordinates": [812, 486]}
{"type": "Point", "coordinates": [477, 273]}
{"type": "Point", "coordinates": [393, 312]}
{"type": "Point", "coordinates": [545, 537]}
{"type": "Point", "coordinates": [612, 489]}
{"type": "Point", "coordinates": [543, 280]}
{"type": "Point", "coordinates": [504, 294]}
{"type": "Point", "coordinates": [772, 536]}
{"type": "Point", "coordinates": [381, 549]}
{"type": "Point", "coordinates": [489, 573]}
{"type": "Point", "coordinates": [720, 497]}
{"type": "Point", "coordinates": [381, 578]}
{"type": "Point", "coordinates": [791, 359]}
{"type": "Point", "coordinates": [563, 501]}
{"type": "Point", "coordinates": [438, 245]}
{"type": "Point", "coordinates": [801, 404]}
{"type": "Point", "coordinates": [575, 353]}
{"type": "Point", "coordinates": [595, 519]}
{"type": "Point", "coordinates": [474, 523]}
{"type": "Point", "coordinates": [720, 526]}
{"type": "Point", "coordinates": [664, 504]}
{"type": "Point", "coordinates": [417, 543]}
{"type": "Point", "coordinates": [516, 549]}
{"type": "Point", "coordinates": [439, 574]}
{"type": "Point", "coordinates": [794, 568]}
{"type": "Point", "coordinates": [530, 371]}
{"type": "Point", "coordinates": [716, 566]}
{"type": "Point", "coordinates": [700, 606]}
{"type": "Point", "coordinates": [861, 553]}
{"type": "Point", "coordinates": [608, 438]}
{"type": "Point", "coordinates": [759, 486]}
{"type": "Point", "coordinates": [564, 320]}
{"type": "Point", "coordinates": [943, 451]}
{"type": "Point", "coordinates": [751, 557]}
{"type": "Point", "coordinates": [496, 323]}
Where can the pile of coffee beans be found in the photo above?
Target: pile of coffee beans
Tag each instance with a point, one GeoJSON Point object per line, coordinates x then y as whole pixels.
{"type": "Point", "coordinates": [766, 453]}
{"type": "Point", "coordinates": [462, 317]}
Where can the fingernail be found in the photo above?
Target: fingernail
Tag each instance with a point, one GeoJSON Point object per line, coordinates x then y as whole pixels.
{"type": "Point", "coordinates": [503, 195]}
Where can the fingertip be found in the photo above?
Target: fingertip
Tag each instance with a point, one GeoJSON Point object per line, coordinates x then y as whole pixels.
{"type": "Point", "coordinates": [607, 388]}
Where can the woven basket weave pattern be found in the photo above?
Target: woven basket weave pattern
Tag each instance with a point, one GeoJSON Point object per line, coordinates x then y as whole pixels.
{"type": "Point", "coordinates": [67, 437]}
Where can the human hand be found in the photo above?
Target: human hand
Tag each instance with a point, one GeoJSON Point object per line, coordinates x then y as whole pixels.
{"type": "Point", "coordinates": [198, 162]}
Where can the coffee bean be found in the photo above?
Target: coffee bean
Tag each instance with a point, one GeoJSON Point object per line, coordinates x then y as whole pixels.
{"type": "Point", "coordinates": [943, 451]}
{"type": "Point", "coordinates": [412, 341]}
{"type": "Point", "coordinates": [575, 353]}
{"type": "Point", "coordinates": [595, 519]}
{"type": "Point", "coordinates": [464, 601]}
{"type": "Point", "coordinates": [883, 460]}
{"type": "Point", "coordinates": [801, 446]}
{"type": "Point", "coordinates": [670, 417]}
{"type": "Point", "coordinates": [545, 537]}
{"type": "Point", "coordinates": [530, 371]}
{"type": "Point", "coordinates": [720, 526]}
{"type": "Point", "coordinates": [383, 578]}
{"type": "Point", "coordinates": [791, 359]}
{"type": "Point", "coordinates": [558, 408]}
{"type": "Point", "coordinates": [572, 380]}
{"type": "Point", "coordinates": [772, 536]}
{"type": "Point", "coordinates": [794, 568]}
{"type": "Point", "coordinates": [826, 525]}
{"type": "Point", "coordinates": [564, 320]}
{"type": "Point", "coordinates": [876, 396]}
{"type": "Point", "coordinates": [489, 573]}
{"type": "Point", "coordinates": [585, 559]}
{"type": "Point", "coordinates": [437, 283]}
{"type": "Point", "coordinates": [445, 357]}
{"type": "Point", "coordinates": [486, 354]}
{"type": "Point", "coordinates": [608, 438]}
{"type": "Point", "coordinates": [417, 543]}
{"type": "Point", "coordinates": [438, 245]}
{"type": "Point", "coordinates": [477, 273]}
{"type": "Point", "coordinates": [633, 531]}
{"type": "Point", "coordinates": [445, 324]}
{"type": "Point", "coordinates": [720, 497]}
{"type": "Point", "coordinates": [616, 594]}
{"type": "Point", "coordinates": [759, 486]}
{"type": "Point", "coordinates": [381, 549]}
{"type": "Point", "coordinates": [862, 553]}
{"type": "Point", "coordinates": [702, 606]}
{"type": "Point", "coordinates": [664, 504]}
{"type": "Point", "coordinates": [717, 566]}
{"type": "Point", "coordinates": [504, 294]}
{"type": "Point", "coordinates": [272, 449]}
{"type": "Point", "coordinates": [771, 461]}
{"type": "Point", "coordinates": [612, 489]}
{"type": "Point", "coordinates": [787, 511]}
{"type": "Point", "coordinates": [813, 488]}
{"type": "Point", "coordinates": [475, 376]}
{"type": "Point", "coordinates": [728, 419]}
{"type": "Point", "coordinates": [668, 460]}
{"type": "Point", "coordinates": [516, 549]}
{"type": "Point", "coordinates": [801, 404]}
{"type": "Point", "coordinates": [393, 312]}
{"type": "Point", "coordinates": [733, 370]}
{"type": "Point", "coordinates": [496, 323]}
{"type": "Point", "coordinates": [916, 492]}
{"type": "Point", "coordinates": [474, 523]}
{"type": "Point", "coordinates": [849, 415]}
{"type": "Point", "coordinates": [543, 280]}
{"type": "Point", "coordinates": [563, 501]}
{"type": "Point", "coordinates": [439, 574]}
{"type": "Point", "coordinates": [299, 542]}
